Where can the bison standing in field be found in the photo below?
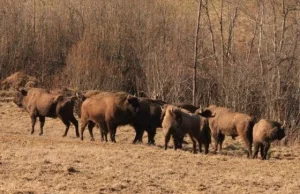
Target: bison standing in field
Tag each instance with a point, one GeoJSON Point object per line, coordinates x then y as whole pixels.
{"type": "Point", "coordinates": [178, 122]}
{"type": "Point", "coordinates": [108, 111]}
{"type": "Point", "coordinates": [226, 122]}
{"type": "Point", "coordinates": [153, 117]}
{"type": "Point", "coordinates": [146, 119]}
{"type": "Point", "coordinates": [41, 103]}
{"type": "Point", "coordinates": [264, 132]}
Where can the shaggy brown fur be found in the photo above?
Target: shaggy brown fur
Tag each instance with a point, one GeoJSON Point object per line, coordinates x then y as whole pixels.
{"type": "Point", "coordinates": [41, 103]}
{"type": "Point", "coordinates": [264, 132]}
{"type": "Point", "coordinates": [108, 111]}
{"type": "Point", "coordinates": [180, 122]}
{"type": "Point", "coordinates": [17, 80]}
{"type": "Point", "coordinates": [227, 122]}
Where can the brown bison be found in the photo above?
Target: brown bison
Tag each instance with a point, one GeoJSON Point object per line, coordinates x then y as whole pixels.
{"type": "Point", "coordinates": [18, 80]}
{"type": "Point", "coordinates": [108, 111]}
{"type": "Point", "coordinates": [178, 122]}
{"type": "Point", "coordinates": [145, 117]}
{"type": "Point", "coordinates": [41, 103]}
{"type": "Point", "coordinates": [227, 122]}
{"type": "Point", "coordinates": [264, 132]}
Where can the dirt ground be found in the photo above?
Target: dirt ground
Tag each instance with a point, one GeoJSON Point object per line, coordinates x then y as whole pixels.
{"type": "Point", "coordinates": [53, 164]}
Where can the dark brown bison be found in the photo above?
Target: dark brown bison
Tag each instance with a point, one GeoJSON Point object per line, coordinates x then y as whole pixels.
{"type": "Point", "coordinates": [153, 117]}
{"type": "Point", "coordinates": [41, 103]}
{"type": "Point", "coordinates": [109, 112]}
{"type": "Point", "coordinates": [264, 132]}
{"type": "Point", "coordinates": [227, 122]}
{"type": "Point", "coordinates": [178, 122]}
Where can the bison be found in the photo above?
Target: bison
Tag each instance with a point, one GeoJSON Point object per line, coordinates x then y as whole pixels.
{"type": "Point", "coordinates": [226, 122]}
{"type": "Point", "coordinates": [108, 111]}
{"type": "Point", "coordinates": [178, 122]}
{"type": "Point", "coordinates": [145, 118]}
{"type": "Point", "coordinates": [153, 118]}
{"type": "Point", "coordinates": [41, 103]}
{"type": "Point", "coordinates": [264, 132]}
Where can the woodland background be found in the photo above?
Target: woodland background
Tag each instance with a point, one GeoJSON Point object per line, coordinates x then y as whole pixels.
{"type": "Point", "coordinates": [247, 51]}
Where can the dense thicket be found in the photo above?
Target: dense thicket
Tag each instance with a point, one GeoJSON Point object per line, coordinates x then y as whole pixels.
{"type": "Point", "coordinates": [248, 51]}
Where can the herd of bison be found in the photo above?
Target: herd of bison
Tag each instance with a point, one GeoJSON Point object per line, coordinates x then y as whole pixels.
{"type": "Point", "coordinates": [108, 110]}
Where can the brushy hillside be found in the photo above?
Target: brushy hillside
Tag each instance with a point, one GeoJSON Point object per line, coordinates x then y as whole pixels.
{"type": "Point", "coordinates": [53, 164]}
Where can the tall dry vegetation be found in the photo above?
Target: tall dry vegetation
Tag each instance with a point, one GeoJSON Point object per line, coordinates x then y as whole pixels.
{"type": "Point", "coordinates": [247, 50]}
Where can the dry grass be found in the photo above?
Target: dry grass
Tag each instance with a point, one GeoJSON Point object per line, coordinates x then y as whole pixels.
{"type": "Point", "coordinates": [53, 164]}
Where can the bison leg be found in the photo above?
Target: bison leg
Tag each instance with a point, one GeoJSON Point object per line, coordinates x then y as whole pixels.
{"type": "Point", "coordinates": [216, 139]}
{"type": "Point", "coordinates": [151, 135]}
{"type": "Point", "coordinates": [262, 149]}
{"type": "Point", "coordinates": [103, 131]}
{"type": "Point", "coordinates": [83, 124]}
{"type": "Point", "coordinates": [194, 144]}
{"type": "Point", "coordinates": [67, 124]}
{"type": "Point", "coordinates": [256, 149]}
{"type": "Point", "coordinates": [42, 123]}
{"type": "Point", "coordinates": [138, 134]}
{"type": "Point", "coordinates": [75, 123]}
{"type": "Point", "coordinates": [206, 148]}
{"type": "Point", "coordinates": [177, 140]}
{"type": "Point", "coordinates": [112, 128]}
{"type": "Point", "coordinates": [91, 125]}
{"type": "Point", "coordinates": [33, 121]}
{"type": "Point", "coordinates": [199, 144]}
{"type": "Point", "coordinates": [266, 149]}
{"type": "Point", "coordinates": [167, 139]}
{"type": "Point", "coordinates": [221, 138]}
{"type": "Point", "coordinates": [248, 146]}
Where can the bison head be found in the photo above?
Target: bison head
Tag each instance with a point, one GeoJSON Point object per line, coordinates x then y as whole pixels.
{"type": "Point", "coordinates": [18, 98]}
{"type": "Point", "coordinates": [280, 131]}
{"type": "Point", "coordinates": [133, 102]}
{"type": "Point", "coordinates": [205, 113]}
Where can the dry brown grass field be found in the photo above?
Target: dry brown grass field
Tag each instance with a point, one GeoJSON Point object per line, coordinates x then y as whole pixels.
{"type": "Point", "coordinates": [53, 164]}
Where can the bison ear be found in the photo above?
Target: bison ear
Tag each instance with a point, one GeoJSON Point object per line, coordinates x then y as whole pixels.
{"type": "Point", "coordinates": [176, 112]}
{"type": "Point", "coordinates": [132, 100]}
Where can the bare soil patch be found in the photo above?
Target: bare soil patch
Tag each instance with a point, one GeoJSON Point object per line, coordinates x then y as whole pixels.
{"type": "Point", "coordinates": [53, 164]}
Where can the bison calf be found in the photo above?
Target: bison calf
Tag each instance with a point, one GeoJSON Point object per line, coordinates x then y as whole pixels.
{"type": "Point", "coordinates": [179, 122]}
{"type": "Point", "coordinates": [264, 132]}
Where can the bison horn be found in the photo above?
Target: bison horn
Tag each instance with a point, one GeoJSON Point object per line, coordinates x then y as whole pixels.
{"type": "Point", "coordinates": [283, 125]}
{"type": "Point", "coordinates": [57, 98]}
